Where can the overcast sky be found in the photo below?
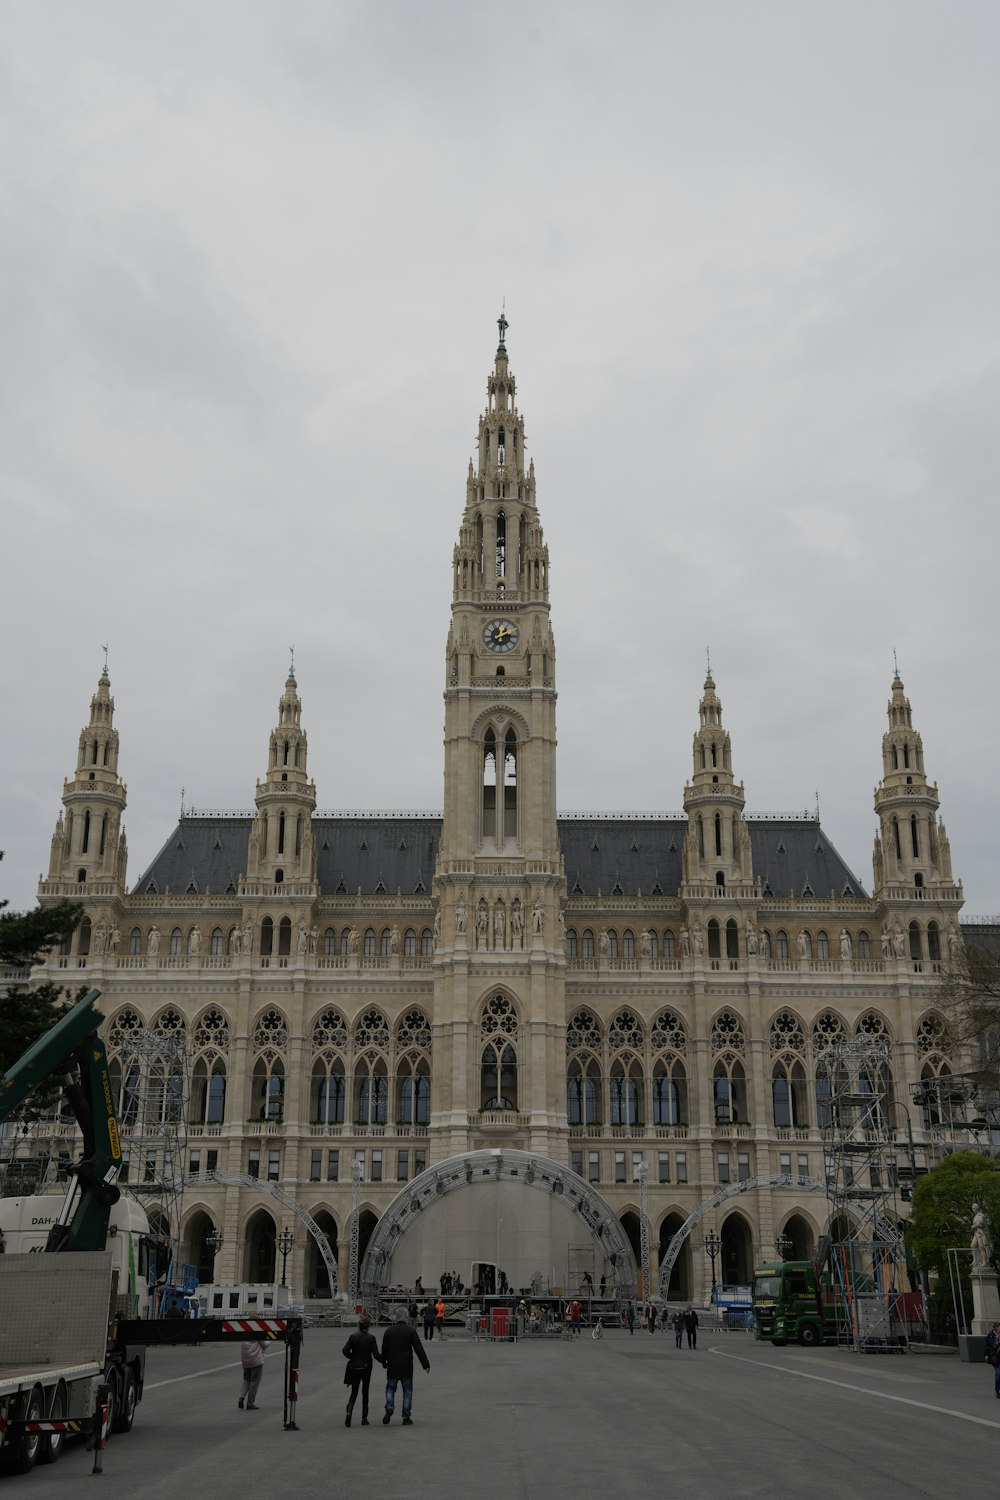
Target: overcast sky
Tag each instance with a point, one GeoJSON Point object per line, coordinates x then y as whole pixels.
{"type": "Point", "coordinates": [251, 259]}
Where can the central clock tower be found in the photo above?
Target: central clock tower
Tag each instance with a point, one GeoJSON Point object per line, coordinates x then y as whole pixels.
{"type": "Point", "coordinates": [499, 879]}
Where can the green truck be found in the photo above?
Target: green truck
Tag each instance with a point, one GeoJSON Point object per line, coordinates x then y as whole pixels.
{"type": "Point", "coordinates": [791, 1303]}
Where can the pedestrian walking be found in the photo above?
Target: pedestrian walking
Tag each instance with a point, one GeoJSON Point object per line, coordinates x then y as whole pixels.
{"type": "Point", "coordinates": [651, 1316]}
{"type": "Point", "coordinates": [604, 1286]}
{"type": "Point", "coordinates": [359, 1351]}
{"type": "Point", "coordinates": [575, 1318]}
{"type": "Point", "coordinates": [691, 1327]}
{"type": "Point", "coordinates": [630, 1316]}
{"type": "Point", "coordinates": [439, 1312]}
{"type": "Point", "coordinates": [429, 1315]}
{"type": "Point", "coordinates": [252, 1354]}
{"type": "Point", "coordinates": [412, 1312]}
{"type": "Point", "coordinates": [399, 1344]}
{"type": "Point", "coordinates": [678, 1321]}
{"type": "Point", "coordinates": [993, 1356]}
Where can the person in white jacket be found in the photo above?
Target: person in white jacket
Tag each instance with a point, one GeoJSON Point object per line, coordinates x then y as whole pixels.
{"type": "Point", "coordinates": [252, 1353]}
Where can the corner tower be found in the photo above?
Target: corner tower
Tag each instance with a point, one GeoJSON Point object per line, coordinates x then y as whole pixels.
{"type": "Point", "coordinates": [282, 851]}
{"type": "Point", "coordinates": [88, 845]}
{"type": "Point", "coordinates": [912, 854]}
{"type": "Point", "coordinates": [716, 854]}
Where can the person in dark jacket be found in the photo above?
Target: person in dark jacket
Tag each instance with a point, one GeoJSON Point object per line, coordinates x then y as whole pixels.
{"type": "Point", "coordinates": [399, 1344]}
{"type": "Point", "coordinates": [691, 1327]}
{"type": "Point", "coordinates": [430, 1317]}
{"type": "Point", "coordinates": [359, 1351]}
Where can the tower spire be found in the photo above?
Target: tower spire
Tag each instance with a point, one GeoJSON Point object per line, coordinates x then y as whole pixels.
{"type": "Point", "coordinates": [282, 848]}
{"type": "Point", "coordinates": [88, 845]}
{"type": "Point", "coordinates": [912, 856]}
{"type": "Point", "coordinates": [717, 845]}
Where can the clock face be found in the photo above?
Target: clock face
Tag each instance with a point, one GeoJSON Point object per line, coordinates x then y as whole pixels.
{"type": "Point", "coordinates": [500, 635]}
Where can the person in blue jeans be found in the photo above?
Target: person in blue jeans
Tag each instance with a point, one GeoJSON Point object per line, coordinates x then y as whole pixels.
{"type": "Point", "coordinates": [399, 1344]}
{"type": "Point", "coordinates": [993, 1355]}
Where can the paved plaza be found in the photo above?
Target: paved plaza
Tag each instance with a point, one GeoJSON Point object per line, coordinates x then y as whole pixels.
{"type": "Point", "coordinates": [543, 1420]}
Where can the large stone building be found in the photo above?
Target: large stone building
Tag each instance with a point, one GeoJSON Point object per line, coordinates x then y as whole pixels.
{"type": "Point", "coordinates": [595, 991]}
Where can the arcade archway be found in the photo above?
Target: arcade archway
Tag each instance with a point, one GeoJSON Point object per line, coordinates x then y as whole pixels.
{"type": "Point", "coordinates": [472, 1211]}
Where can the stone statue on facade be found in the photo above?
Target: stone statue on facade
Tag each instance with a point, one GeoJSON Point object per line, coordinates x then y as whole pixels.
{"type": "Point", "coordinates": [153, 942]}
{"type": "Point", "coordinates": [499, 925]}
{"type": "Point", "coordinates": [899, 941]}
{"type": "Point", "coordinates": [395, 937]}
{"type": "Point", "coordinates": [461, 915]}
{"type": "Point", "coordinates": [751, 939]}
{"type": "Point", "coordinates": [301, 939]}
{"type": "Point", "coordinates": [516, 924]}
{"type": "Point", "coordinates": [100, 940]}
{"type": "Point", "coordinates": [604, 942]}
{"type": "Point", "coordinates": [765, 943]}
{"type": "Point", "coordinates": [685, 943]}
{"type": "Point", "coordinates": [981, 1247]}
{"type": "Point", "coordinates": [646, 944]}
{"type": "Point", "coordinates": [353, 941]}
{"type": "Point", "coordinates": [235, 942]}
{"type": "Point", "coordinates": [482, 922]}
{"type": "Point", "coordinates": [248, 937]}
{"type": "Point", "coordinates": [845, 943]}
{"type": "Point", "coordinates": [194, 942]}
{"type": "Point", "coordinates": [313, 939]}
{"type": "Point", "coordinates": [886, 943]}
{"type": "Point", "coordinates": [538, 916]}
{"type": "Point", "coordinates": [697, 940]}
{"type": "Point", "coordinates": [802, 945]}
{"type": "Point", "coordinates": [114, 938]}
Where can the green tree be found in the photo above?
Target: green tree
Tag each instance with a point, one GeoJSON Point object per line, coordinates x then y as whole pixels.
{"type": "Point", "coordinates": [27, 1012]}
{"type": "Point", "coordinates": [942, 1209]}
{"type": "Point", "coordinates": [969, 997]}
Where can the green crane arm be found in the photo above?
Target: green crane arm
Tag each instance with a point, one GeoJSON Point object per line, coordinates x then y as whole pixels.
{"type": "Point", "coordinates": [73, 1042]}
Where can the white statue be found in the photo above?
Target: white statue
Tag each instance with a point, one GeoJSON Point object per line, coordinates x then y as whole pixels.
{"type": "Point", "coordinates": [845, 943]}
{"type": "Point", "coordinates": [697, 941]}
{"type": "Point", "coordinates": [194, 942]}
{"type": "Point", "coordinates": [313, 939]}
{"type": "Point", "coordinates": [461, 915]}
{"type": "Point", "coordinates": [802, 945]}
{"type": "Point", "coordinates": [604, 942]}
{"type": "Point", "coordinates": [499, 925]}
{"type": "Point", "coordinates": [899, 941]}
{"type": "Point", "coordinates": [765, 943]}
{"type": "Point", "coordinates": [353, 940]}
{"type": "Point", "coordinates": [482, 922]}
{"type": "Point", "coordinates": [234, 942]}
{"type": "Point", "coordinates": [886, 943]}
{"type": "Point", "coordinates": [114, 938]}
{"type": "Point", "coordinates": [538, 916]}
{"type": "Point", "coordinates": [981, 1247]}
{"type": "Point", "coordinates": [302, 939]}
{"type": "Point", "coordinates": [247, 937]}
{"type": "Point", "coordinates": [685, 943]}
{"type": "Point", "coordinates": [395, 937]}
{"type": "Point", "coordinates": [751, 939]}
{"type": "Point", "coordinates": [153, 942]}
{"type": "Point", "coordinates": [646, 944]}
{"type": "Point", "coordinates": [100, 939]}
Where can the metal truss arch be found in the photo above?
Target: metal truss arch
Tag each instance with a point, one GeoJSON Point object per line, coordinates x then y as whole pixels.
{"type": "Point", "coordinates": [274, 1190]}
{"type": "Point", "coordinates": [520, 1167]}
{"type": "Point", "coordinates": [734, 1190]}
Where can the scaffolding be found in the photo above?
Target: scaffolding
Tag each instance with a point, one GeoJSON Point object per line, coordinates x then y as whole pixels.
{"type": "Point", "coordinates": [865, 1250]}
{"type": "Point", "coordinates": [154, 1100]}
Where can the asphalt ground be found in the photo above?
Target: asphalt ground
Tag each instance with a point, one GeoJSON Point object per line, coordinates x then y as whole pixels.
{"type": "Point", "coordinates": [546, 1419]}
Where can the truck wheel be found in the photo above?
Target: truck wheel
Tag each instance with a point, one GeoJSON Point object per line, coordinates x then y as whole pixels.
{"type": "Point", "coordinates": [809, 1335]}
{"type": "Point", "coordinates": [111, 1380]}
{"type": "Point", "coordinates": [125, 1411]}
{"type": "Point", "coordinates": [52, 1443]}
{"type": "Point", "coordinates": [25, 1450]}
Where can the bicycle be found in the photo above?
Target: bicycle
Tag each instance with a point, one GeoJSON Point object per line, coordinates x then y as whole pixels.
{"type": "Point", "coordinates": [597, 1332]}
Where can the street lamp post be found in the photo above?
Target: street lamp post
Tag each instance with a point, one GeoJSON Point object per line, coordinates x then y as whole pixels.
{"type": "Point", "coordinates": [712, 1247]}
{"type": "Point", "coordinates": [215, 1242]}
{"type": "Point", "coordinates": [286, 1240]}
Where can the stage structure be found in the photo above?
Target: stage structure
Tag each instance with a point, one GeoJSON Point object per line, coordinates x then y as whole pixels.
{"type": "Point", "coordinates": [499, 1226]}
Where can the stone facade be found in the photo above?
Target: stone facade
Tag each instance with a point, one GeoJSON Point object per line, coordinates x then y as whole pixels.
{"type": "Point", "coordinates": [599, 990]}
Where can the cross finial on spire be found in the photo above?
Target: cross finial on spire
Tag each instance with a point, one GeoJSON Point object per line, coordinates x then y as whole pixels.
{"type": "Point", "coordinates": [291, 664]}
{"type": "Point", "coordinates": [105, 650]}
{"type": "Point", "coordinates": [708, 664]}
{"type": "Point", "coordinates": [895, 662]}
{"type": "Point", "coordinates": [503, 325]}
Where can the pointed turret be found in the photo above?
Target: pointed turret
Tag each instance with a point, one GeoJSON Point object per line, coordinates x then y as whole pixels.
{"type": "Point", "coordinates": [717, 845]}
{"type": "Point", "coordinates": [912, 853]}
{"type": "Point", "coordinates": [282, 848]}
{"type": "Point", "coordinates": [88, 846]}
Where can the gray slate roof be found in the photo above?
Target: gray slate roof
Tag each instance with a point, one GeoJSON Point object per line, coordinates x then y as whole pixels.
{"type": "Point", "coordinates": [607, 854]}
